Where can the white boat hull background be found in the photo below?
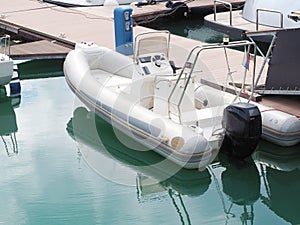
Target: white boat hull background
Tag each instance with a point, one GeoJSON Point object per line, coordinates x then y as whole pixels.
{"type": "Point", "coordinates": [286, 7]}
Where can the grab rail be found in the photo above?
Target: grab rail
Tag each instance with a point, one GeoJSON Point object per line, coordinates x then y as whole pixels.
{"type": "Point", "coordinates": [191, 66]}
{"type": "Point", "coordinates": [224, 3]}
{"type": "Point", "coordinates": [271, 11]}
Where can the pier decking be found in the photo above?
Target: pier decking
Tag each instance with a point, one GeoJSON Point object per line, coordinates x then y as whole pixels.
{"type": "Point", "coordinates": [38, 50]}
{"type": "Point", "coordinates": [36, 19]}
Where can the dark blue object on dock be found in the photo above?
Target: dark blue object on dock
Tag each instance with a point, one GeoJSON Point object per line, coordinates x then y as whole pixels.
{"type": "Point", "coordinates": [123, 30]}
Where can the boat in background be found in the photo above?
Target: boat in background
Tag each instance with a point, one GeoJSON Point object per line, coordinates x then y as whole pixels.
{"type": "Point", "coordinates": [276, 14]}
{"type": "Point", "coordinates": [275, 23]}
{"type": "Point", "coordinates": [9, 75]}
{"type": "Point", "coordinates": [6, 63]}
{"type": "Point", "coordinates": [259, 16]}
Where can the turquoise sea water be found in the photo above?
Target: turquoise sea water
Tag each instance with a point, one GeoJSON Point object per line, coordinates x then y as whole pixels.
{"type": "Point", "coordinates": [60, 164]}
{"type": "Point", "coordinates": [192, 28]}
{"type": "Point", "coordinates": [68, 167]}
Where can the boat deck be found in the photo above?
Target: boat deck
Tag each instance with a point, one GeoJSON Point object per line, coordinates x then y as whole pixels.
{"type": "Point", "coordinates": [37, 20]}
{"type": "Point", "coordinates": [239, 23]}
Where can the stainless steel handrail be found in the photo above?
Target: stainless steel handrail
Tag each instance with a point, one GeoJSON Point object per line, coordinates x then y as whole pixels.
{"type": "Point", "coordinates": [224, 3]}
{"type": "Point", "coordinates": [270, 11]}
{"type": "Point", "coordinates": [191, 66]}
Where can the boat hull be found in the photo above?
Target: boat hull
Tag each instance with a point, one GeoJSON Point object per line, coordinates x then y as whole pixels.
{"type": "Point", "coordinates": [270, 18]}
{"type": "Point", "coordinates": [6, 71]}
{"type": "Point", "coordinates": [174, 141]}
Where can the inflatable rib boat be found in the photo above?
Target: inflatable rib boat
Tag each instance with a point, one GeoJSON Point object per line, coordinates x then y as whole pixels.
{"type": "Point", "coordinates": [146, 99]}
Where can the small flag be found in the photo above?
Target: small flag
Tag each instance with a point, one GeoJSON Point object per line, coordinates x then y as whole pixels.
{"type": "Point", "coordinates": [247, 61]}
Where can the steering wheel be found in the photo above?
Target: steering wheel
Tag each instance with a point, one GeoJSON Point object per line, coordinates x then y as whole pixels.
{"type": "Point", "coordinates": [159, 61]}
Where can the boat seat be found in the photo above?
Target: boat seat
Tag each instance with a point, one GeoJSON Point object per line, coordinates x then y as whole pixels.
{"type": "Point", "coordinates": [110, 60]}
{"type": "Point", "coordinates": [105, 59]}
{"type": "Point", "coordinates": [203, 116]}
{"type": "Point", "coordinates": [109, 79]}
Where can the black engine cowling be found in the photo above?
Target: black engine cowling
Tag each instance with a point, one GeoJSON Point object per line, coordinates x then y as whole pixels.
{"type": "Point", "coordinates": [243, 128]}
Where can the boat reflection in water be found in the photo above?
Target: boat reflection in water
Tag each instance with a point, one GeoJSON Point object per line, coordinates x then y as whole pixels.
{"type": "Point", "coordinates": [153, 175]}
{"type": "Point", "coordinates": [270, 176]}
{"type": "Point", "coordinates": [8, 123]}
{"type": "Point", "coordinates": [281, 178]}
{"type": "Point", "coordinates": [240, 185]}
{"type": "Point", "coordinates": [94, 136]}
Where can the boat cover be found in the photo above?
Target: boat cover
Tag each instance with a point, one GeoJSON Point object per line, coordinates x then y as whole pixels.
{"type": "Point", "coordinates": [284, 66]}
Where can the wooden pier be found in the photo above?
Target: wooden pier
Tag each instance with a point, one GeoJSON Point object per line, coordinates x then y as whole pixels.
{"type": "Point", "coordinates": [37, 20]}
{"type": "Point", "coordinates": [57, 29]}
{"type": "Point", "coordinates": [38, 50]}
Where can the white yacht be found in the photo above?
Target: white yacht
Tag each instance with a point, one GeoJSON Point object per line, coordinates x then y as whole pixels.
{"type": "Point", "coordinates": [256, 15]}
{"type": "Point", "coordinates": [6, 63]}
{"type": "Point", "coordinates": [273, 13]}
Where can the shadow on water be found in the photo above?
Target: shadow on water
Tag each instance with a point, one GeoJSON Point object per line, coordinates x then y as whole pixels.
{"type": "Point", "coordinates": [270, 176]}
{"type": "Point", "coordinates": [41, 68]}
{"type": "Point", "coordinates": [192, 28]}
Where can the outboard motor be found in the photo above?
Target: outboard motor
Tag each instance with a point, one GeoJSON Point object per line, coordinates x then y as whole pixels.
{"type": "Point", "coordinates": [243, 128]}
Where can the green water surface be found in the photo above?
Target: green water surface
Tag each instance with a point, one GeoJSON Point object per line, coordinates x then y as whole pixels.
{"type": "Point", "coordinates": [62, 165]}
{"type": "Point", "coordinates": [192, 28]}
{"type": "Point", "coordinates": [70, 168]}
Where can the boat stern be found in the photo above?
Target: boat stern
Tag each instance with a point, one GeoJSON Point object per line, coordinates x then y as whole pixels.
{"type": "Point", "coordinates": [6, 69]}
